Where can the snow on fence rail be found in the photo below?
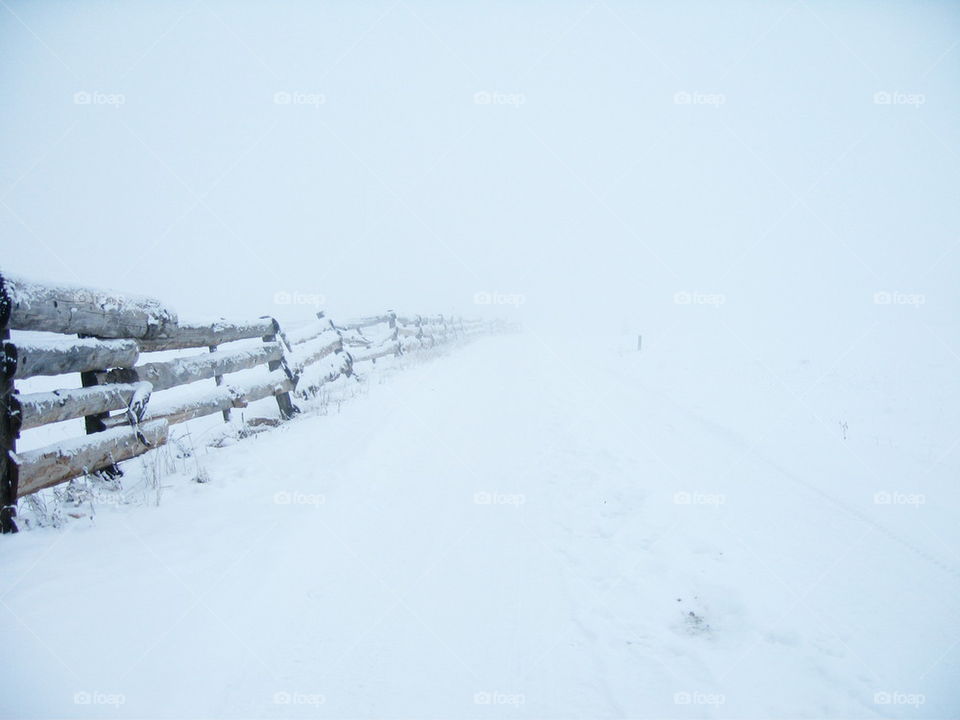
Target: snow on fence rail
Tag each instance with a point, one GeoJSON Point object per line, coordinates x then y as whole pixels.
{"type": "Point", "coordinates": [101, 334]}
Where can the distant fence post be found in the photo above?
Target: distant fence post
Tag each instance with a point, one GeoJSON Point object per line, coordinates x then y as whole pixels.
{"type": "Point", "coordinates": [287, 408]}
{"type": "Point", "coordinates": [395, 335]}
{"type": "Point", "coordinates": [9, 419]}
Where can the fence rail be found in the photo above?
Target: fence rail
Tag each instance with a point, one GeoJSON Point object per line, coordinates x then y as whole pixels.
{"type": "Point", "coordinates": [101, 334]}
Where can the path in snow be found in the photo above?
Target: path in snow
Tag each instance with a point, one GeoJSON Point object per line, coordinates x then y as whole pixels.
{"type": "Point", "coordinates": [515, 529]}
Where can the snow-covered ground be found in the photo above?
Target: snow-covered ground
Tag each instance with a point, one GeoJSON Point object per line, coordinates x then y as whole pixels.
{"type": "Point", "coordinates": [532, 527]}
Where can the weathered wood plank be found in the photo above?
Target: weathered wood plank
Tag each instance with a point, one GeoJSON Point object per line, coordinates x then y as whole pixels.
{"type": "Point", "coordinates": [67, 309]}
{"type": "Point", "coordinates": [49, 407]}
{"type": "Point", "coordinates": [188, 335]}
{"type": "Point", "coordinates": [60, 356]}
{"type": "Point", "coordinates": [54, 464]}
{"type": "Point", "coordinates": [180, 371]}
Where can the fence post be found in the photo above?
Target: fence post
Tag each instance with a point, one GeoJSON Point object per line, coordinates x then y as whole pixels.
{"type": "Point", "coordinates": [218, 379]}
{"type": "Point", "coordinates": [287, 408]}
{"type": "Point", "coordinates": [94, 423]}
{"type": "Point", "coordinates": [9, 419]}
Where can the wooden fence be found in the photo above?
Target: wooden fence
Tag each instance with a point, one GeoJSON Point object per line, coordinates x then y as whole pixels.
{"type": "Point", "coordinates": [121, 398]}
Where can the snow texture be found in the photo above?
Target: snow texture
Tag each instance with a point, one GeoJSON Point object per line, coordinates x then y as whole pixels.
{"type": "Point", "coordinates": [526, 527]}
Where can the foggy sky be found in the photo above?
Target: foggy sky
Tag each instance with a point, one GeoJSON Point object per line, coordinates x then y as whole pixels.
{"type": "Point", "coordinates": [591, 160]}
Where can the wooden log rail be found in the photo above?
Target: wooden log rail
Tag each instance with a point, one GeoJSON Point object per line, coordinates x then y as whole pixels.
{"type": "Point", "coordinates": [55, 464]}
{"type": "Point", "coordinates": [314, 350]}
{"type": "Point", "coordinates": [193, 335]}
{"type": "Point", "coordinates": [180, 371]}
{"type": "Point", "coordinates": [102, 313]}
{"type": "Point", "coordinates": [215, 399]}
{"type": "Point", "coordinates": [311, 330]}
{"type": "Point", "coordinates": [54, 357]}
{"type": "Point", "coordinates": [102, 335]}
{"type": "Point", "coordinates": [49, 407]}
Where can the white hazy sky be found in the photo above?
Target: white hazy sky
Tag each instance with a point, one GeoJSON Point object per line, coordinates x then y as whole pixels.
{"type": "Point", "coordinates": [586, 184]}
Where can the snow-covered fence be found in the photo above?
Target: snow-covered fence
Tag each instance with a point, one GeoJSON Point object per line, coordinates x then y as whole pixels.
{"type": "Point", "coordinates": [101, 335]}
